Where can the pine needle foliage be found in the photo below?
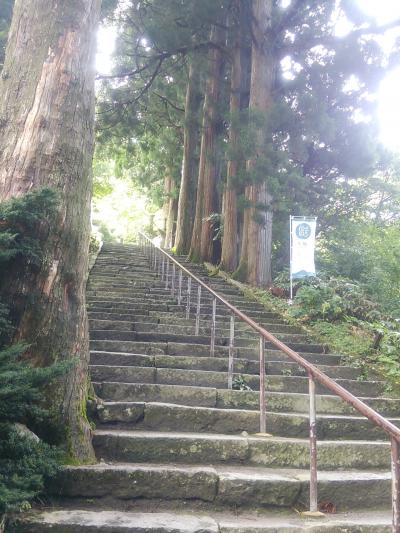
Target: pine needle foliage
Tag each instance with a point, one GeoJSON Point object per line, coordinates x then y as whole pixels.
{"type": "Point", "coordinates": [26, 460]}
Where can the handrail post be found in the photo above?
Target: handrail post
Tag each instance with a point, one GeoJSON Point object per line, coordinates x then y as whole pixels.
{"type": "Point", "coordinates": [213, 320]}
{"type": "Point", "coordinates": [395, 485]}
{"type": "Point", "coordinates": [162, 269]}
{"type": "Point", "coordinates": [155, 258]}
{"type": "Point", "coordinates": [167, 275]}
{"type": "Point", "coordinates": [173, 280]}
{"type": "Point", "coordinates": [313, 447]}
{"type": "Point", "coordinates": [180, 287]}
{"type": "Point", "coordinates": [197, 328]}
{"type": "Point", "coordinates": [159, 262]}
{"type": "Point", "coordinates": [231, 345]}
{"type": "Point", "coordinates": [263, 414]}
{"type": "Point", "coordinates": [189, 290]}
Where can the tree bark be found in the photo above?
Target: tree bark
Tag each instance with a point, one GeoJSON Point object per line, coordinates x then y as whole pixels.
{"type": "Point", "coordinates": [46, 140]}
{"type": "Point", "coordinates": [255, 259]}
{"type": "Point", "coordinates": [229, 253]}
{"type": "Point", "coordinates": [202, 239]}
{"type": "Point", "coordinates": [186, 205]}
{"type": "Point", "coordinates": [171, 215]}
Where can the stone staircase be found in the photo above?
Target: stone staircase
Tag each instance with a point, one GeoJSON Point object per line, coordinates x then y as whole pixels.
{"type": "Point", "coordinates": [177, 449]}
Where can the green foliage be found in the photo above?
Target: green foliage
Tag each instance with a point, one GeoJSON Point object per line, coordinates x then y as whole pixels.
{"type": "Point", "coordinates": [239, 383]}
{"type": "Point", "coordinates": [6, 8]}
{"type": "Point", "coordinates": [24, 224]}
{"type": "Point", "coordinates": [25, 465]}
{"type": "Point", "coordinates": [369, 253]}
{"type": "Point", "coordinates": [334, 299]}
{"type": "Point", "coordinates": [25, 460]}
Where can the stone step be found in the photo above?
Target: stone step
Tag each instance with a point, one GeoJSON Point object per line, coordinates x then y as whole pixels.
{"type": "Point", "coordinates": [223, 486]}
{"type": "Point", "coordinates": [120, 287]}
{"type": "Point", "coordinates": [164, 417]}
{"type": "Point", "coordinates": [121, 338]}
{"type": "Point", "coordinates": [116, 314]}
{"type": "Point", "coordinates": [165, 336]}
{"type": "Point", "coordinates": [242, 335]}
{"type": "Point", "coordinates": [205, 311]}
{"type": "Point", "coordinates": [217, 364]}
{"type": "Point", "coordinates": [147, 323]}
{"type": "Point", "coordinates": [192, 448]}
{"type": "Point", "coordinates": [199, 350]}
{"type": "Point", "coordinates": [125, 393]}
{"type": "Point", "coordinates": [194, 521]}
{"type": "Point", "coordinates": [113, 294]}
{"type": "Point", "coordinates": [205, 378]}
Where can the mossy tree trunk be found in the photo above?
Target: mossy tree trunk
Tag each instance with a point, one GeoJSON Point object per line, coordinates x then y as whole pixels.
{"type": "Point", "coordinates": [172, 207]}
{"type": "Point", "coordinates": [229, 253]}
{"type": "Point", "coordinates": [201, 248]}
{"type": "Point", "coordinates": [46, 140]}
{"type": "Point", "coordinates": [255, 259]}
{"type": "Point", "coordinates": [187, 192]}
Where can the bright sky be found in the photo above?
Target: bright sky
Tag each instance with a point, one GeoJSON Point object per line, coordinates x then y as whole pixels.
{"type": "Point", "coordinates": [389, 94]}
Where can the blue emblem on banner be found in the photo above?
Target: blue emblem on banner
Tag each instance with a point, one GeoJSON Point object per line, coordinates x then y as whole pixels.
{"type": "Point", "coordinates": [303, 230]}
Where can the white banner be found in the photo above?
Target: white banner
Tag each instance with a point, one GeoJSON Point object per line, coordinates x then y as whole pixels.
{"type": "Point", "coordinates": [302, 237]}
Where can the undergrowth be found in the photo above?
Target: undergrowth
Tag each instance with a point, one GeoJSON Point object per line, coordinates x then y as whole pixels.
{"type": "Point", "coordinates": [343, 316]}
{"type": "Point", "coordinates": [27, 459]}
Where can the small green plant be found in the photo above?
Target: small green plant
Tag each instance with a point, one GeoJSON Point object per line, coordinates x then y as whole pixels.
{"type": "Point", "coordinates": [27, 458]}
{"type": "Point", "coordinates": [239, 383]}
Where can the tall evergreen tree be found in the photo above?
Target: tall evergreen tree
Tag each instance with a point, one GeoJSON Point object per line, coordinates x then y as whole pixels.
{"type": "Point", "coordinates": [46, 116]}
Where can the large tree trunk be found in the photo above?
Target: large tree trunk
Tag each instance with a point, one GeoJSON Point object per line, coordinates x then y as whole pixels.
{"type": "Point", "coordinates": [255, 259]}
{"type": "Point", "coordinates": [186, 204]}
{"type": "Point", "coordinates": [171, 214]}
{"type": "Point", "coordinates": [229, 254]}
{"type": "Point", "coordinates": [202, 239]}
{"type": "Point", "coordinates": [46, 117]}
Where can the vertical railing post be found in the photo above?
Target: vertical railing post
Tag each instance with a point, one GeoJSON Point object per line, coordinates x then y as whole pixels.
{"type": "Point", "coordinates": [159, 263]}
{"type": "Point", "coordinates": [155, 259]}
{"type": "Point", "coordinates": [395, 485]}
{"type": "Point", "coordinates": [173, 280]}
{"type": "Point", "coordinates": [180, 287]}
{"type": "Point", "coordinates": [263, 414]}
{"type": "Point", "coordinates": [163, 269]}
{"type": "Point", "coordinates": [197, 328]}
{"type": "Point", "coordinates": [313, 447]}
{"type": "Point", "coordinates": [189, 290]}
{"type": "Point", "coordinates": [167, 275]}
{"type": "Point", "coordinates": [230, 356]}
{"type": "Point", "coordinates": [213, 321]}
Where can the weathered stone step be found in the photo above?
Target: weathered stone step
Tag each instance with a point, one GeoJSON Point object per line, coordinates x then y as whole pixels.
{"type": "Point", "coordinates": [164, 417]}
{"type": "Point", "coordinates": [174, 520]}
{"type": "Point", "coordinates": [116, 314]}
{"type": "Point", "coordinates": [242, 487]}
{"type": "Point", "coordinates": [77, 521]}
{"type": "Point", "coordinates": [118, 286]}
{"type": "Point", "coordinates": [205, 312]}
{"type": "Point", "coordinates": [113, 293]}
{"type": "Point", "coordinates": [241, 335]}
{"type": "Point", "coordinates": [205, 378]}
{"type": "Point", "coordinates": [217, 364]}
{"type": "Point", "coordinates": [125, 393]}
{"type": "Point", "coordinates": [200, 350]}
{"type": "Point", "coordinates": [273, 452]}
{"type": "Point", "coordinates": [147, 323]}
{"type": "Point", "coordinates": [156, 337]}
{"type": "Point", "coordinates": [171, 336]}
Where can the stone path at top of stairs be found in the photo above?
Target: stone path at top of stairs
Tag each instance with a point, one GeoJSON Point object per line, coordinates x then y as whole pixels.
{"type": "Point", "coordinates": [178, 450]}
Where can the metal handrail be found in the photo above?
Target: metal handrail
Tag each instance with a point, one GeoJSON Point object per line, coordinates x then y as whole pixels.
{"type": "Point", "coordinates": [314, 374]}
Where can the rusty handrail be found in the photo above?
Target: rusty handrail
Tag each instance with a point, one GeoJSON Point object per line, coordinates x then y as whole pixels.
{"type": "Point", "coordinates": [314, 374]}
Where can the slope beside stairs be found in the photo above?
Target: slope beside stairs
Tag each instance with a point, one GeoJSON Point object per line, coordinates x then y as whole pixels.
{"type": "Point", "coordinates": [177, 451]}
